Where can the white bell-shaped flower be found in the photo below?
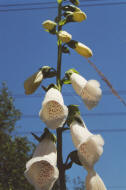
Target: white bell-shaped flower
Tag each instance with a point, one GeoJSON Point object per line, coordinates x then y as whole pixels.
{"type": "Point", "coordinates": [53, 111]}
{"type": "Point", "coordinates": [41, 170]}
{"type": "Point", "coordinates": [89, 146]}
{"type": "Point", "coordinates": [94, 182]}
{"type": "Point", "coordinates": [89, 91]}
{"type": "Point", "coordinates": [78, 82]}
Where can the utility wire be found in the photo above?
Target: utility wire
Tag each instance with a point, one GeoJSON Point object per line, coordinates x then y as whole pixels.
{"type": "Point", "coordinates": [92, 130]}
{"type": "Point", "coordinates": [39, 95]}
{"type": "Point", "coordinates": [85, 115]}
{"type": "Point", "coordinates": [53, 7]}
{"type": "Point", "coordinates": [38, 3]}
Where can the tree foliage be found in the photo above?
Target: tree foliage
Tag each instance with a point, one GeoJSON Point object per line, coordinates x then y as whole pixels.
{"type": "Point", "coordinates": [14, 152]}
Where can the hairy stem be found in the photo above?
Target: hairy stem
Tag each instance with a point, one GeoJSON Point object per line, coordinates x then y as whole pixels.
{"type": "Point", "coordinates": [60, 164]}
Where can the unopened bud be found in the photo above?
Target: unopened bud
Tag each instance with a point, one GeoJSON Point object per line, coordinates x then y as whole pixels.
{"type": "Point", "coordinates": [33, 82]}
{"type": "Point", "coordinates": [64, 36]}
{"type": "Point", "coordinates": [83, 50]}
{"type": "Point", "coordinates": [79, 16]}
{"type": "Point", "coordinates": [49, 25]}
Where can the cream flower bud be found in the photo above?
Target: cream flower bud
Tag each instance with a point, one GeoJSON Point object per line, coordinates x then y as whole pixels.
{"type": "Point", "coordinates": [94, 182]}
{"type": "Point", "coordinates": [53, 111]}
{"type": "Point", "coordinates": [49, 25]}
{"type": "Point", "coordinates": [79, 16]}
{"type": "Point", "coordinates": [89, 91]}
{"type": "Point", "coordinates": [33, 82]}
{"type": "Point", "coordinates": [83, 50]}
{"type": "Point", "coordinates": [64, 36]}
{"type": "Point", "coordinates": [41, 170]}
{"type": "Point", "coordinates": [89, 146]}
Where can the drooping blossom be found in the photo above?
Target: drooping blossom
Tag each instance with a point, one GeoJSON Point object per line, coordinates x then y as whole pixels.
{"type": "Point", "coordinates": [41, 170]}
{"type": "Point", "coordinates": [53, 111]}
{"type": "Point", "coordinates": [89, 91]}
{"type": "Point", "coordinates": [94, 181]}
{"type": "Point", "coordinates": [89, 148]}
{"type": "Point", "coordinates": [88, 145]}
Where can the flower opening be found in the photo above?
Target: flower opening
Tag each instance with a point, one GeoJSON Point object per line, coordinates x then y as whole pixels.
{"type": "Point", "coordinates": [41, 170]}
{"type": "Point", "coordinates": [53, 112]}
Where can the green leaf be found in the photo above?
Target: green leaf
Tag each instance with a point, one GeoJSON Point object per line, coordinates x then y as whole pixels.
{"type": "Point", "coordinates": [66, 82]}
{"type": "Point", "coordinates": [59, 1]}
{"type": "Point", "coordinates": [59, 42]}
{"type": "Point", "coordinates": [75, 2]}
{"type": "Point", "coordinates": [65, 49]}
{"type": "Point", "coordinates": [62, 22]}
{"type": "Point", "coordinates": [46, 30]}
{"type": "Point", "coordinates": [74, 71]}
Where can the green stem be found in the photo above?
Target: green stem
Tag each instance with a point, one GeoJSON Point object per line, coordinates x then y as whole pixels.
{"type": "Point", "coordinates": [59, 51]}
{"type": "Point", "coordinates": [59, 131]}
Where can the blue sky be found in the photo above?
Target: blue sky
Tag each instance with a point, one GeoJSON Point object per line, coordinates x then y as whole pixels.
{"type": "Point", "coordinates": [25, 47]}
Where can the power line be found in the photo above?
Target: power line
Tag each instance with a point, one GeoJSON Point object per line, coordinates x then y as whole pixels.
{"type": "Point", "coordinates": [85, 115]}
{"type": "Point", "coordinates": [53, 7]}
{"type": "Point", "coordinates": [123, 92]}
{"type": "Point", "coordinates": [26, 4]}
{"type": "Point", "coordinates": [92, 130]}
{"type": "Point", "coordinates": [38, 3]}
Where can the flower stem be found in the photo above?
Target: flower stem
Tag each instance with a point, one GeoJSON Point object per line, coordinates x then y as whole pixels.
{"type": "Point", "coordinates": [62, 182]}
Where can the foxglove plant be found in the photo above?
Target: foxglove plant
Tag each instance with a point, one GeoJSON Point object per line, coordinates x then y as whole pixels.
{"type": "Point", "coordinates": [41, 170]}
